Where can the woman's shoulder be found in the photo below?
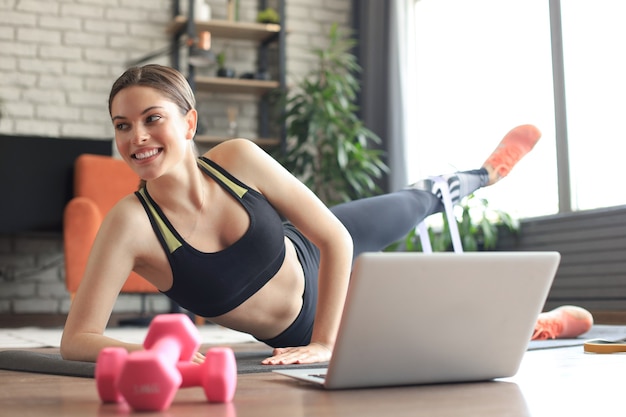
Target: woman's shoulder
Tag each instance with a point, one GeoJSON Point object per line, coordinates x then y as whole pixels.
{"type": "Point", "coordinates": [127, 204]}
{"type": "Point", "coordinates": [127, 215]}
{"type": "Point", "coordinates": [232, 149]}
{"type": "Point", "coordinates": [125, 235]}
{"type": "Point", "coordinates": [239, 157]}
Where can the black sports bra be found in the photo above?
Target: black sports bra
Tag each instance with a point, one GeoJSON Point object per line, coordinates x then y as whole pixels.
{"type": "Point", "coordinates": [212, 284]}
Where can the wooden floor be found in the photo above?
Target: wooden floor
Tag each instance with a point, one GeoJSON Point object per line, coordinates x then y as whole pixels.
{"type": "Point", "coordinates": [550, 382]}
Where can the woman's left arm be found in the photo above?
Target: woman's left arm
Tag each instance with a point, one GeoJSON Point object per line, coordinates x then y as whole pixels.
{"type": "Point", "coordinates": [309, 214]}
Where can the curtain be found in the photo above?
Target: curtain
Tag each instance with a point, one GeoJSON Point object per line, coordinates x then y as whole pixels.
{"type": "Point", "coordinates": [401, 89]}
{"type": "Point", "coordinates": [385, 33]}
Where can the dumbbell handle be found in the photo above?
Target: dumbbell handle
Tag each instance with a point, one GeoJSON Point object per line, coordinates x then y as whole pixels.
{"type": "Point", "coordinates": [191, 373]}
{"type": "Point", "coordinates": [217, 375]}
{"type": "Point", "coordinates": [220, 359]}
{"type": "Point", "coordinates": [168, 348]}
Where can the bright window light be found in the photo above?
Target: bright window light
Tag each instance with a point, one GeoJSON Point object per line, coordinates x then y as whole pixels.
{"type": "Point", "coordinates": [483, 67]}
{"type": "Point", "coordinates": [594, 38]}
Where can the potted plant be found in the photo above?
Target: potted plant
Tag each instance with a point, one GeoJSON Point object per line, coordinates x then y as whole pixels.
{"type": "Point", "coordinates": [222, 70]}
{"type": "Point", "coordinates": [478, 224]}
{"type": "Point", "coordinates": [268, 15]}
{"type": "Point", "coordinates": [328, 148]}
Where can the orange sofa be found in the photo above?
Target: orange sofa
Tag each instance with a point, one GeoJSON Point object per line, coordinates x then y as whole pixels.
{"type": "Point", "coordinates": [99, 182]}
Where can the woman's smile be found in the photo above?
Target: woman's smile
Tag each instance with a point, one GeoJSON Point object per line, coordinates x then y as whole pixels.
{"type": "Point", "coordinates": [146, 154]}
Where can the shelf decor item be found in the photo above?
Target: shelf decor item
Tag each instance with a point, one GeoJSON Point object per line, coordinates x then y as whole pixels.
{"type": "Point", "coordinates": [328, 148]}
{"type": "Point", "coordinates": [232, 11]}
{"type": "Point", "coordinates": [232, 112]}
{"type": "Point", "coordinates": [200, 53]}
{"type": "Point", "coordinates": [202, 10]}
{"type": "Point", "coordinates": [222, 70]}
{"type": "Point", "coordinates": [268, 15]}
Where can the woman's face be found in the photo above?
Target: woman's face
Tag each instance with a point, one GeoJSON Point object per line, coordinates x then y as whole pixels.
{"type": "Point", "coordinates": [151, 134]}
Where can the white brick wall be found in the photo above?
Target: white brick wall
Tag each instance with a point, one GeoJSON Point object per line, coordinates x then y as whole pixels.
{"type": "Point", "coordinates": [57, 62]}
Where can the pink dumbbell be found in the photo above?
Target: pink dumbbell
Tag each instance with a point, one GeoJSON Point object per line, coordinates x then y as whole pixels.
{"type": "Point", "coordinates": [148, 379]}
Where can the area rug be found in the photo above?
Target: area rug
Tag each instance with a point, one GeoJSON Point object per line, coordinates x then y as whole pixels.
{"type": "Point", "coordinates": [36, 337]}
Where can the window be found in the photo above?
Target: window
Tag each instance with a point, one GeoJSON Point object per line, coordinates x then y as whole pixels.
{"type": "Point", "coordinates": [594, 45]}
{"type": "Point", "coordinates": [485, 66]}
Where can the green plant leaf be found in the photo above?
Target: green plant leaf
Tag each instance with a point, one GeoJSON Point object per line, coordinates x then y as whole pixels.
{"type": "Point", "coordinates": [328, 148]}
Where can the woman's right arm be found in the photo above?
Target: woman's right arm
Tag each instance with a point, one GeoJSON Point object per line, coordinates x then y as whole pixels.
{"type": "Point", "coordinates": [111, 260]}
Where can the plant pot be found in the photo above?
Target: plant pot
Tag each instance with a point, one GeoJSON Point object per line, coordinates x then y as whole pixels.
{"type": "Point", "coordinates": [226, 72]}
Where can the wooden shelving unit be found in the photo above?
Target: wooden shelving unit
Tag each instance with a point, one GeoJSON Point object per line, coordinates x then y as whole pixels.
{"type": "Point", "coordinates": [258, 32]}
{"type": "Point", "coordinates": [262, 34]}
{"type": "Point", "coordinates": [235, 85]}
{"type": "Point", "coordinates": [214, 140]}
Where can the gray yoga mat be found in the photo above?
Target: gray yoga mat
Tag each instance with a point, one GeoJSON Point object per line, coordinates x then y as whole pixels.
{"type": "Point", "coordinates": [52, 363]}
{"type": "Point", "coordinates": [598, 331]}
{"type": "Point", "coordinates": [247, 362]}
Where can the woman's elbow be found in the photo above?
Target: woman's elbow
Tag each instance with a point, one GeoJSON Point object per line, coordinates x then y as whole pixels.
{"type": "Point", "coordinates": [65, 347]}
{"type": "Point", "coordinates": [70, 348]}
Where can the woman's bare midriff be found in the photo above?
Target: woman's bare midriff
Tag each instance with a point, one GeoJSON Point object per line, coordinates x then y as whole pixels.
{"type": "Point", "coordinates": [275, 306]}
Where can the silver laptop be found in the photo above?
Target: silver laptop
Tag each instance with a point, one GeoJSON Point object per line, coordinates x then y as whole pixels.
{"type": "Point", "coordinates": [415, 318]}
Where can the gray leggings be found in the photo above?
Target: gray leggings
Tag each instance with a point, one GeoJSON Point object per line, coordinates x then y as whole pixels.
{"type": "Point", "coordinates": [374, 223]}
